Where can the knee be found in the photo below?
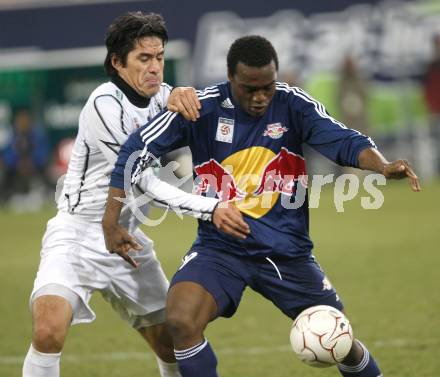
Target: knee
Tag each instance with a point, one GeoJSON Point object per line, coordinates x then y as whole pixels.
{"type": "Point", "coordinates": [183, 325]}
{"type": "Point", "coordinates": [51, 316]}
{"type": "Point", "coordinates": [48, 337]}
{"type": "Point", "coordinates": [190, 307]}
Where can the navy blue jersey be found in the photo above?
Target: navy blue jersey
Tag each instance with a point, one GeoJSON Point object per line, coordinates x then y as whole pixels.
{"type": "Point", "coordinates": [256, 161]}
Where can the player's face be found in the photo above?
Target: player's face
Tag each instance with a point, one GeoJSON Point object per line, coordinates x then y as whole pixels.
{"type": "Point", "coordinates": [143, 70]}
{"type": "Point", "coordinates": [253, 87]}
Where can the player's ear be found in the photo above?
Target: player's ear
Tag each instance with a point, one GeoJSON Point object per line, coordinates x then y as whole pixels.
{"type": "Point", "coordinates": [116, 62]}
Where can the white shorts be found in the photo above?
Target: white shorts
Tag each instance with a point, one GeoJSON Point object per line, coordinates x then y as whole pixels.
{"type": "Point", "coordinates": [74, 256]}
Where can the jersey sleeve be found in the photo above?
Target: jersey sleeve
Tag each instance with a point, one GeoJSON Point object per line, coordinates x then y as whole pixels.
{"type": "Point", "coordinates": [326, 135]}
{"type": "Point", "coordinates": [106, 125]}
{"type": "Point", "coordinates": [162, 194]}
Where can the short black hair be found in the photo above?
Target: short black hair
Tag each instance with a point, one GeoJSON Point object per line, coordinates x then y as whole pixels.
{"type": "Point", "coordinates": [126, 30]}
{"type": "Point", "coordinates": [252, 50]}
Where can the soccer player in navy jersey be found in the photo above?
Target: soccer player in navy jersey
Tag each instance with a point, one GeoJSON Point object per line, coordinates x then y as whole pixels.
{"type": "Point", "coordinates": [246, 148]}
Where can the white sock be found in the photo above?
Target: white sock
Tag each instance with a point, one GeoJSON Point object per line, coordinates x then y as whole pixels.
{"type": "Point", "coordinates": [168, 369]}
{"type": "Point", "coordinates": [39, 364]}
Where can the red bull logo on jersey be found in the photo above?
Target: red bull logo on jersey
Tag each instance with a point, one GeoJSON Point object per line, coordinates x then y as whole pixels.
{"type": "Point", "coordinates": [254, 178]}
{"type": "Point", "coordinates": [275, 130]}
{"type": "Point", "coordinates": [281, 174]}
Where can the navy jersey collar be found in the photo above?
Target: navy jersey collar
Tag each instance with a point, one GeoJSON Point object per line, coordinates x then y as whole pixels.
{"type": "Point", "coordinates": [134, 97]}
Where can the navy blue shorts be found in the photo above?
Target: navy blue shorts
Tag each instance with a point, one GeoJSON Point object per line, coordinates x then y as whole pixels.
{"type": "Point", "coordinates": [292, 284]}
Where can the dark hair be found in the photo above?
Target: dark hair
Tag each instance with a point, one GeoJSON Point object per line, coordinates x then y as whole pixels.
{"type": "Point", "coordinates": [126, 30]}
{"type": "Point", "coordinates": [252, 50]}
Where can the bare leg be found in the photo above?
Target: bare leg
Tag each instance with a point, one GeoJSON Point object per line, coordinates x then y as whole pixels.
{"type": "Point", "coordinates": [189, 310]}
{"type": "Point", "coordinates": [51, 317]}
{"type": "Point", "coordinates": [160, 341]}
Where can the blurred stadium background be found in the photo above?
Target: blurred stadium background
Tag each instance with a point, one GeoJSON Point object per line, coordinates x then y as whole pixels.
{"type": "Point", "coordinates": [367, 61]}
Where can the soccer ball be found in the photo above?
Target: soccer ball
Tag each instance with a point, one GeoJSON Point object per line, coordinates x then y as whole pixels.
{"type": "Point", "coordinates": [321, 336]}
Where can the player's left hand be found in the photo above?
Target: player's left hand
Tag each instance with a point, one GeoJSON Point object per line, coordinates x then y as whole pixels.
{"type": "Point", "coordinates": [184, 100]}
{"type": "Point", "coordinates": [228, 219]}
{"type": "Point", "coordinates": [400, 169]}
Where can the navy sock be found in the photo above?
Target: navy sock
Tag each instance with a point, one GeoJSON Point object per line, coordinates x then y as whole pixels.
{"type": "Point", "coordinates": [366, 368]}
{"type": "Point", "coordinates": [197, 361]}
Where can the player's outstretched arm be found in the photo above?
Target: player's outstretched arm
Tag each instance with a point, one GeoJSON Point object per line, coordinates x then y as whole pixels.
{"type": "Point", "coordinates": [372, 159]}
{"type": "Point", "coordinates": [184, 100]}
{"type": "Point", "coordinates": [117, 239]}
{"type": "Point", "coordinates": [225, 216]}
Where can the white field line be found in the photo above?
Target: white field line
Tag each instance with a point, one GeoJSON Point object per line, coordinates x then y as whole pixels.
{"type": "Point", "coordinates": [121, 356]}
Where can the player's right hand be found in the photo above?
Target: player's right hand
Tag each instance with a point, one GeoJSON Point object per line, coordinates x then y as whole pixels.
{"type": "Point", "coordinates": [119, 241]}
{"type": "Point", "coordinates": [184, 100]}
{"type": "Point", "coordinates": [228, 219]}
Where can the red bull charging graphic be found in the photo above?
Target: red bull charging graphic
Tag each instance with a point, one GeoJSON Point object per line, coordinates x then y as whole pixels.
{"type": "Point", "coordinates": [254, 178]}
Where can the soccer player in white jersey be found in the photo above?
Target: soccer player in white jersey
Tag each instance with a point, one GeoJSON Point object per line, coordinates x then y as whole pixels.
{"type": "Point", "coordinates": [74, 259]}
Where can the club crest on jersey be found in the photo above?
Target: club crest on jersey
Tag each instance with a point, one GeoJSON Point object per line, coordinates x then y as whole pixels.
{"type": "Point", "coordinates": [225, 130]}
{"type": "Point", "coordinates": [119, 95]}
{"type": "Point", "coordinates": [275, 130]}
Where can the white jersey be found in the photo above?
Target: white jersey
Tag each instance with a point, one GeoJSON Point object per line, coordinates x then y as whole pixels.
{"type": "Point", "coordinates": [105, 123]}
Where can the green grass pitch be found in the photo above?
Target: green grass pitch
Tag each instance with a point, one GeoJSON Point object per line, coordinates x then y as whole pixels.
{"type": "Point", "coordinates": [384, 264]}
